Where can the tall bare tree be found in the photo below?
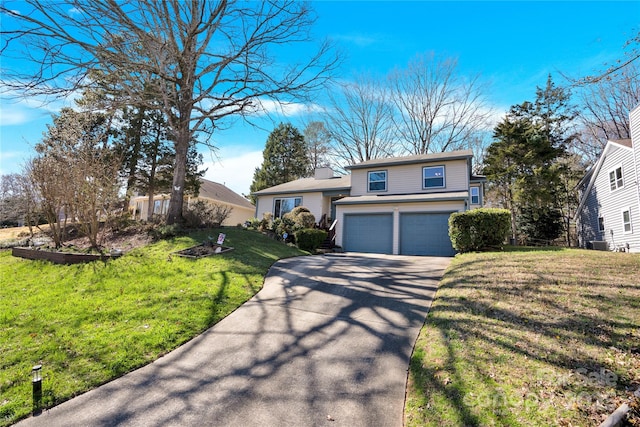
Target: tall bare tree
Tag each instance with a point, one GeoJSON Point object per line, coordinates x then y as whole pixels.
{"type": "Point", "coordinates": [317, 138]}
{"type": "Point", "coordinates": [437, 108]}
{"type": "Point", "coordinates": [210, 59]}
{"type": "Point", "coordinates": [606, 104]}
{"type": "Point", "coordinates": [360, 122]}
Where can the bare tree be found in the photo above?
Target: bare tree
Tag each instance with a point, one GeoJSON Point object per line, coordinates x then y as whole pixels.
{"type": "Point", "coordinates": [207, 59]}
{"type": "Point", "coordinates": [360, 122]}
{"type": "Point", "coordinates": [606, 104]}
{"type": "Point", "coordinates": [76, 174]}
{"type": "Point", "coordinates": [437, 109]}
{"type": "Point", "coordinates": [317, 138]}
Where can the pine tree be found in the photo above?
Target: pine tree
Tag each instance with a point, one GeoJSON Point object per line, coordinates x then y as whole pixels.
{"type": "Point", "coordinates": [285, 159]}
{"type": "Point", "coordinates": [525, 164]}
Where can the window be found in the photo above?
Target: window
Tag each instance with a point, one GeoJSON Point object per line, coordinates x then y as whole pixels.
{"type": "Point", "coordinates": [378, 181]}
{"type": "Point", "coordinates": [600, 223]}
{"type": "Point", "coordinates": [433, 177]}
{"type": "Point", "coordinates": [475, 195]}
{"type": "Point", "coordinates": [285, 205]}
{"type": "Point", "coordinates": [626, 221]}
{"type": "Point", "coordinates": [615, 178]}
{"type": "Point", "coordinates": [160, 207]}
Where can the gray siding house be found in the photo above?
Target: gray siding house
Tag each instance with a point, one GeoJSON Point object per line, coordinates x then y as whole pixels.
{"type": "Point", "coordinates": [398, 205]}
{"type": "Point", "coordinates": [608, 215]}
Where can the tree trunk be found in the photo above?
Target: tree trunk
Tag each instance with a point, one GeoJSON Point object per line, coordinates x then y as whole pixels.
{"type": "Point", "coordinates": [174, 214]}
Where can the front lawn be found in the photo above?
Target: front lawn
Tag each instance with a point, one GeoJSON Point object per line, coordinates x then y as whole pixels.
{"type": "Point", "coordinates": [528, 338]}
{"type": "Point", "coordinates": [88, 324]}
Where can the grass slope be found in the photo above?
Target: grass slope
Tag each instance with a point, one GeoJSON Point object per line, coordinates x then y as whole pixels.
{"type": "Point", "coordinates": [528, 338]}
{"type": "Point", "coordinates": [88, 324]}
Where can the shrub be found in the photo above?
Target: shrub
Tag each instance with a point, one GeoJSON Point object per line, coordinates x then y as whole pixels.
{"type": "Point", "coordinates": [253, 223]}
{"type": "Point", "coordinates": [479, 229]}
{"type": "Point", "coordinates": [267, 222]}
{"type": "Point", "coordinates": [310, 239]}
{"type": "Point", "coordinates": [301, 218]}
{"type": "Point", "coordinates": [284, 225]}
{"type": "Point", "coordinates": [206, 215]}
{"type": "Point", "coordinates": [161, 232]}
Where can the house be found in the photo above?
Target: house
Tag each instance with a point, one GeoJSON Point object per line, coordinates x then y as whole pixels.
{"type": "Point", "coordinates": [398, 205]}
{"type": "Point", "coordinates": [608, 214]}
{"type": "Point", "coordinates": [210, 192]}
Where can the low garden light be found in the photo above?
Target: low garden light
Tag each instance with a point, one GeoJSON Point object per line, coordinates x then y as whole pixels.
{"type": "Point", "coordinates": [36, 382]}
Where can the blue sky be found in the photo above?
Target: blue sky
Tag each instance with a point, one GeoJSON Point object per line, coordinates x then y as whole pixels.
{"type": "Point", "coordinates": [513, 45]}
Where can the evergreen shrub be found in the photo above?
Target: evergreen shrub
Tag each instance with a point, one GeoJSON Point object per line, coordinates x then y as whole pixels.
{"type": "Point", "coordinates": [310, 239]}
{"type": "Point", "coordinates": [479, 229]}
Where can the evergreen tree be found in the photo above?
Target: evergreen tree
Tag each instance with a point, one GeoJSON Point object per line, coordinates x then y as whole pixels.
{"type": "Point", "coordinates": [285, 159]}
{"type": "Point", "coordinates": [526, 164]}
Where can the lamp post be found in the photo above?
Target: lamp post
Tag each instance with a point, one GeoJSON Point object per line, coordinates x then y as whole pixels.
{"type": "Point", "coordinates": [36, 382]}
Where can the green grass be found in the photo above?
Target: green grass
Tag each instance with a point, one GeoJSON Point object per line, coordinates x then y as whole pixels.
{"type": "Point", "coordinates": [88, 324]}
{"type": "Point", "coordinates": [528, 338]}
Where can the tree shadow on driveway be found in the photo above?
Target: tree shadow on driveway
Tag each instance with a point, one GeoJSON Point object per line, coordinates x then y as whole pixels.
{"type": "Point", "coordinates": [327, 340]}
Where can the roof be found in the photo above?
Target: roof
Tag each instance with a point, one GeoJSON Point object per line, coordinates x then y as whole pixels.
{"type": "Point", "coordinates": [592, 173]}
{"type": "Point", "coordinates": [219, 192]}
{"type": "Point", "coordinates": [626, 142]}
{"type": "Point", "coordinates": [309, 185]}
{"type": "Point", "coordinates": [408, 160]}
{"type": "Point", "coordinates": [404, 198]}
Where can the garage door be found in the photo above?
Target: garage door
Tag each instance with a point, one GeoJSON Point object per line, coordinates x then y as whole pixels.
{"type": "Point", "coordinates": [425, 234]}
{"type": "Point", "coordinates": [368, 233]}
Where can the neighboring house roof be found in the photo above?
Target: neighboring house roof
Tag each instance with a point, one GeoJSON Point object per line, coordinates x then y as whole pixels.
{"type": "Point", "coordinates": [309, 185]}
{"type": "Point", "coordinates": [220, 193]}
{"type": "Point", "coordinates": [592, 174]}
{"type": "Point", "coordinates": [404, 198]}
{"type": "Point", "coordinates": [407, 160]}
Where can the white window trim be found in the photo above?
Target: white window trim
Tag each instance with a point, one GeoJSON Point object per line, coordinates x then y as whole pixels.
{"type": "Point", "coordinates": [614, 169]}
{"type": "Point", "coordinates": [603, 224]}
{"type": "Point", "coordinates": [471, 194]}
{"type": "Point", "coordinates": [444, 176]}
{"type": "Point", "coordinates": [622, 211]}
{"type": "Point", "coordinates": [386, 181]}
{"type": "Point", "coordinates": [281, 198]}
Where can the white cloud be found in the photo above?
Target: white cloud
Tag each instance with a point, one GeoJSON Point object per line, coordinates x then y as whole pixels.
{"type": "Point", "coordinates": [287, 109]}
{"type": "Point", "coordinates": [13, 116]}
{"type": "Point", "coordinates": [234, 171]}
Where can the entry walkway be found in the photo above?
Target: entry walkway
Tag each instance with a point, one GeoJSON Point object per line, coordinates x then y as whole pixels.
{"type": "Point", "coordinates": [327, 341]}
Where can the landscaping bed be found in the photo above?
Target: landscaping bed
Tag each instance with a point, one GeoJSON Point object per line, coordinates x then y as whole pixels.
{"type": "Point", "coordinates": [59, 257]}
{"type": "Point", "coordinates": [203, 250]}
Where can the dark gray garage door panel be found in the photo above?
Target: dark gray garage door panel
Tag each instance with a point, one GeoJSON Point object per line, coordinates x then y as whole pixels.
{"type": "Point", "coordinates": [425, 234]}
{"type": "Point", "coordinates": [371, 233]}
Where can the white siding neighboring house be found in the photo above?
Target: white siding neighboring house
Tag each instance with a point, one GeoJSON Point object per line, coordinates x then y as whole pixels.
{"type": "Point", "coordinates": [398, 205]}
{"type": "Point", "coordinates": [210, 192]}
{"type": "Point", "coordinates": [608, 215]}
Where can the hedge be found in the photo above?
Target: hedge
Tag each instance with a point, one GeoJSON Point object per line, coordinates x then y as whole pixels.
{"type": "Point", "coordinates": [479, 229]}
{"type": "Point", "coordinates": [310, 239]}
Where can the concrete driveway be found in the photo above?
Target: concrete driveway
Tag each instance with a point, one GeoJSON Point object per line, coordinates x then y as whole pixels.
{"type": "Point", "coordinates": [326, 342]}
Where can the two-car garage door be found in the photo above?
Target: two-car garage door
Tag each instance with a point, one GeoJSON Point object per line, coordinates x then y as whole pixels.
{"type": "Point", "coordinates": [422, 233]}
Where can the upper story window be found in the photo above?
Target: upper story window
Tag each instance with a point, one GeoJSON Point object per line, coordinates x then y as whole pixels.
{"type": "Point", "coordinates": [433, 177]}
{"type": "Point", "coordinates": [285, 205]}
{"type": "Point", "coordinates": [475, 195]}
{"type": "Point", "coordinates": [377, 181]}
{"type": "Point", "coordinates": [615, 178]}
